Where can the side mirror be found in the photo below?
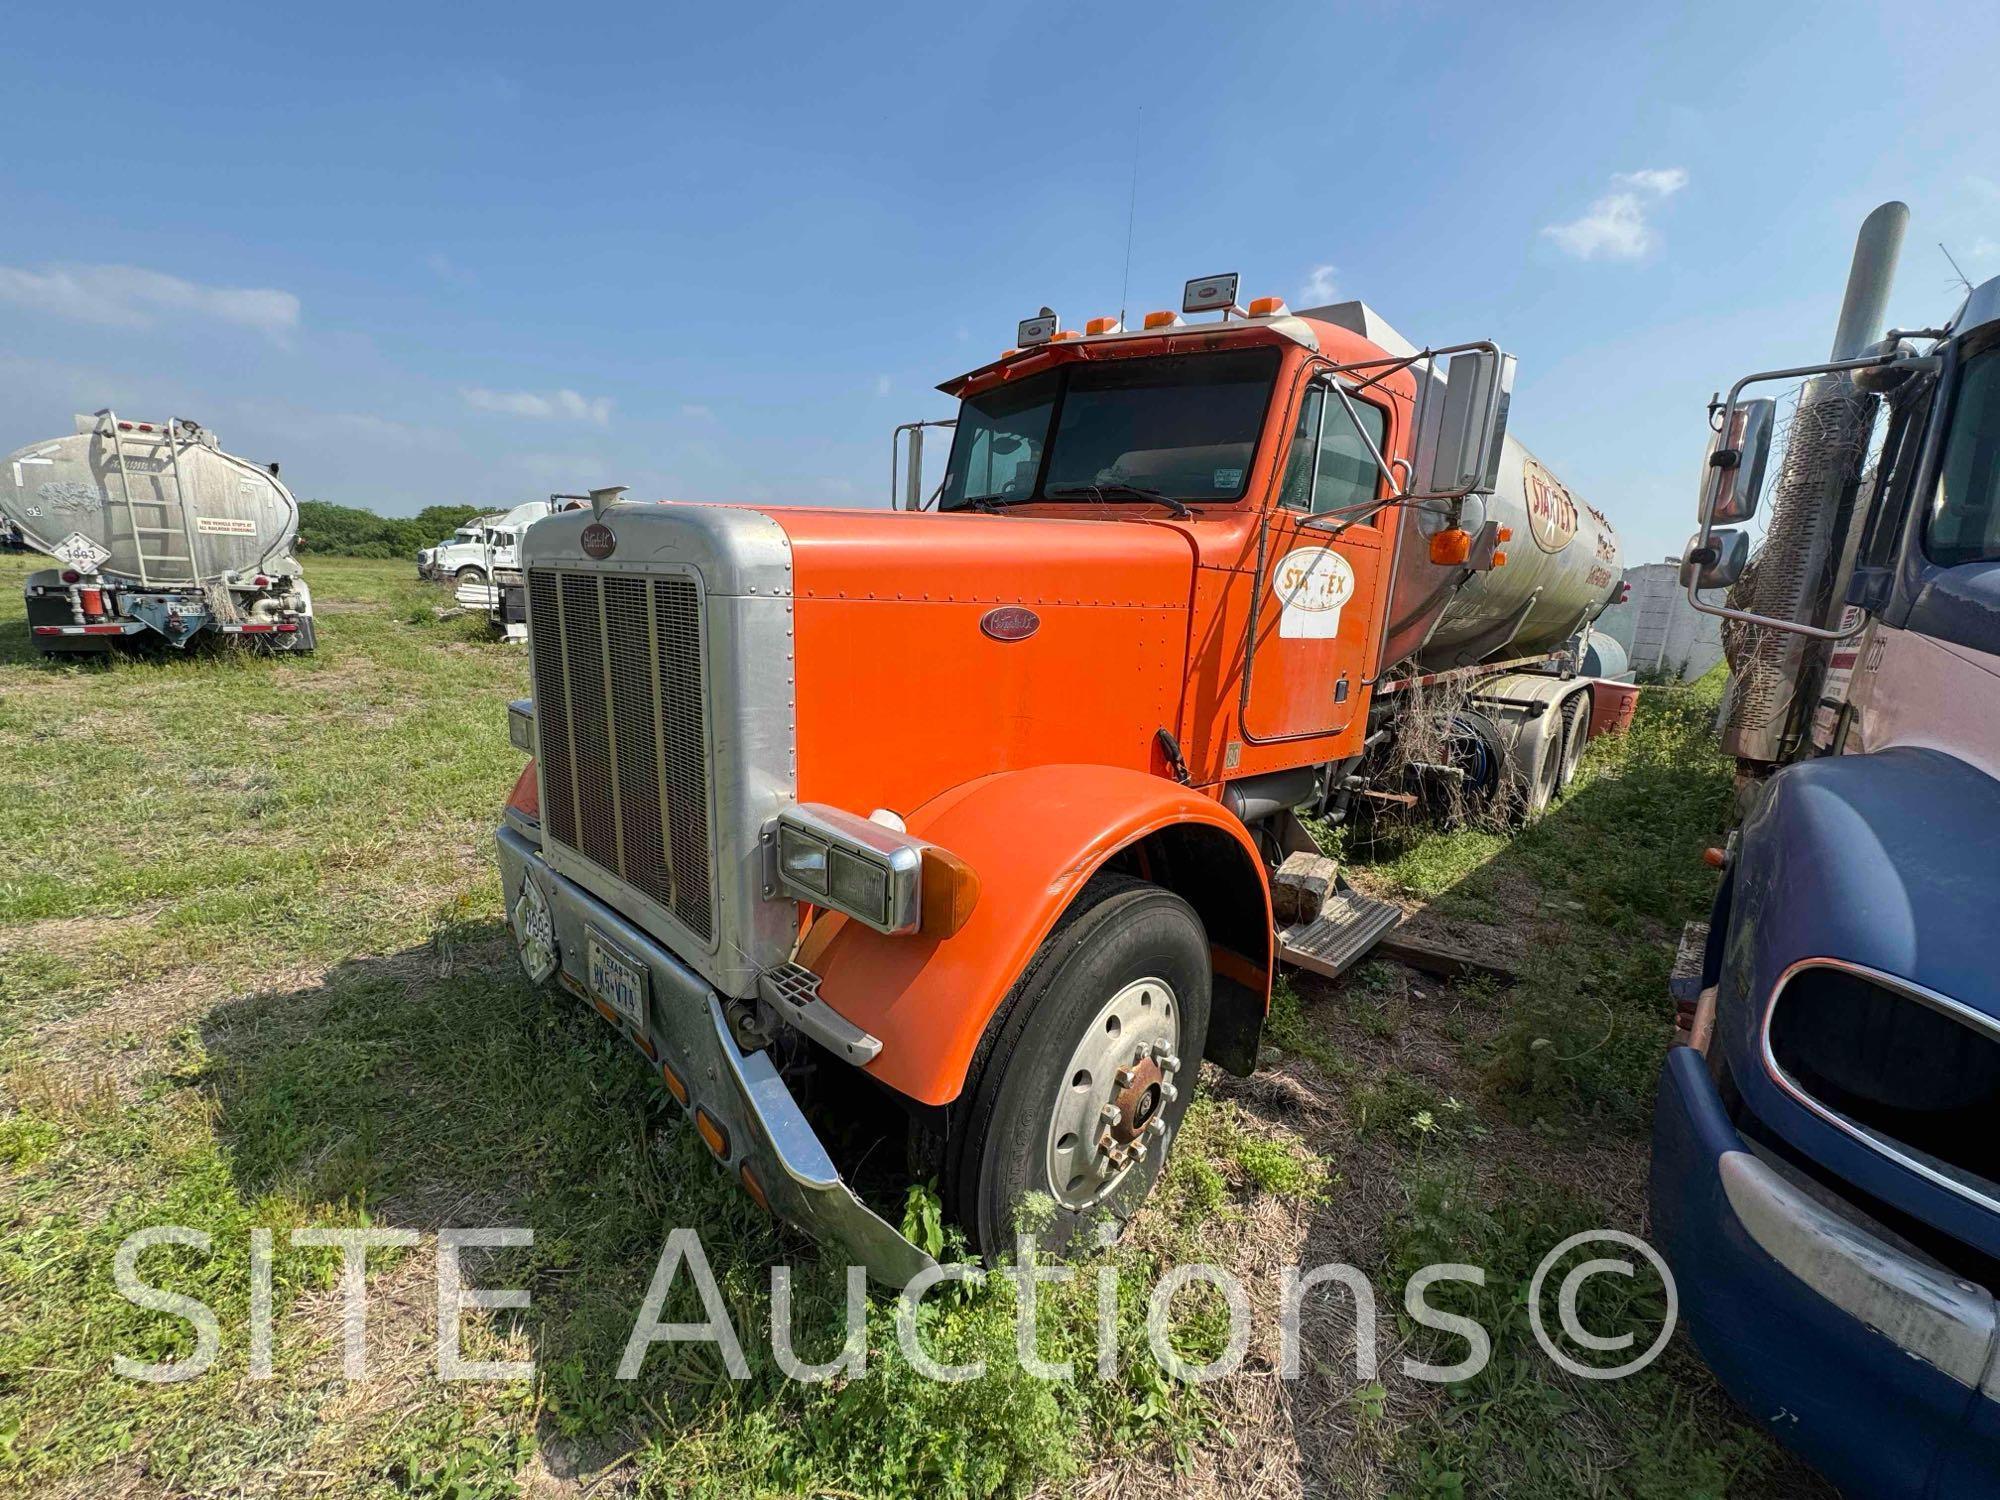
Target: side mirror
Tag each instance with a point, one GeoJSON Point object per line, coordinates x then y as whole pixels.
{"type": "Point", "coordinates": [1733, 474]}
{"type": "Point", "coordinates": [1720, 563]}
{"type": "Point", "coordinates": [1471, 428]}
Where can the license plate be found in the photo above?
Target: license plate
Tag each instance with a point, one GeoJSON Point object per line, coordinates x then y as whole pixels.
{"type": "Point", "coordinates": [616, 980]}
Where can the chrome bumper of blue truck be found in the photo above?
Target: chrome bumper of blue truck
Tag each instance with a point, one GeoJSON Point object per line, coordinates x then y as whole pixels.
{"type": "Point", "coordinates": [748, 1107]}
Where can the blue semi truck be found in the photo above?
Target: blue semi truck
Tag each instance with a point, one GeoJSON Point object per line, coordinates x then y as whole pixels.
{"type": "Point", "coordinates": [1826, 1150]}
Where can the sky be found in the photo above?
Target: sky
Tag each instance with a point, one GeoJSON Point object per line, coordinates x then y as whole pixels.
{"type": "Point", "coordinates": [478, 254]}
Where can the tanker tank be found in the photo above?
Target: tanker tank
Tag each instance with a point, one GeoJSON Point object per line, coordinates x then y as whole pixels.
{"type": "Point", "coordinates": [159, 535]}
{"type": "Point", "coordinates": [1563, 565]}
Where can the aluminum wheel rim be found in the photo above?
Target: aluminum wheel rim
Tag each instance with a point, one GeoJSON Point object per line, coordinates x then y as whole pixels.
{"type": "Point", "coordinates": [1110, 1112]}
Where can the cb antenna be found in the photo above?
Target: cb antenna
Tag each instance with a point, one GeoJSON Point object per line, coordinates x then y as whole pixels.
{"type": "Point", "coordinates": [1962, 281]}
{"type": "Point", "coordinates": [1131, 214]}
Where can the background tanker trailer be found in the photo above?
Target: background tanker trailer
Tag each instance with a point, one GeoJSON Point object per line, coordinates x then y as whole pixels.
{"type": "Point", "coordinates": [159, 536]}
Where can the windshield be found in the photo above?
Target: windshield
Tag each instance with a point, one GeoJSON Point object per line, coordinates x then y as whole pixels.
{"type": "Point", "coordinates": [1965, 516]}
{"type": "Point", "coordinates": [1184, 426]}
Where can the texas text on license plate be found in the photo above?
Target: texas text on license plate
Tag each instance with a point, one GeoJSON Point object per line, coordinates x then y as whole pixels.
{"type": "Point", "coordinates": [616, 980]}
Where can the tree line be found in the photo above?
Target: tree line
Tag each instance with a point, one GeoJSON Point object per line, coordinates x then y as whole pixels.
{"type": "Point", "coordinates": [350, 531]}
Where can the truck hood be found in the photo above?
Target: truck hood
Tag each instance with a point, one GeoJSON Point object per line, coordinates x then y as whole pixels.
{"type": "Point", "coordinates": [914, 652]}
{"type": "Point", "coordinates": [932, 649]}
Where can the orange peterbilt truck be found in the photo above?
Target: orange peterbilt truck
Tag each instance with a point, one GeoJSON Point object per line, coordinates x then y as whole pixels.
{"type": "Point", "coordinates": [983, 801]}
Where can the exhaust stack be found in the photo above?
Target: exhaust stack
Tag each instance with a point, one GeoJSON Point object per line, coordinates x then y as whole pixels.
{"type": "Point", "coordinates": [1810, 504]}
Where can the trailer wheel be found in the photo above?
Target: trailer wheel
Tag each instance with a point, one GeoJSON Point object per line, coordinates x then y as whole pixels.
{"type": "Point", "coordinates": [1576, 735]}
{"type": "Point", "coordinates": [1535, 767]}
{"type": "Point", "coordinates": [1083, 1086]}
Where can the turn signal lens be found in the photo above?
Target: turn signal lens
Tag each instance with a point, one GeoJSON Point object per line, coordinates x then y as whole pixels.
{"type": "Point", "coordinates": [1714, 858]}
{"type": "Point", "coordinates": [950, 892]}
{"type": "Point", "coordinates": [1504, 534]}
{"type": "Point", "coordinates": [527, 796]}
{"type": "Point", "coordinates": [1499, 559]}
{"type": "Point", "coordinates": [754, 1188]}
{"type": "Point", "coordinates": [1268, 307]}
{"type": "Point", "coordinates": [1102, 325]}
{"type": "Point", "coordinates": [1163, 320]}
{"type": "Point", "coordinates": [1451, 546]}
{"type": "Point", "coordinates": [709, 1130]}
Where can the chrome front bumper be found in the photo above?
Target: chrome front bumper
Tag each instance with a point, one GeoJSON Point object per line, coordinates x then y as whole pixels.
{"type": "Point", "coordinates": [762, 1125]}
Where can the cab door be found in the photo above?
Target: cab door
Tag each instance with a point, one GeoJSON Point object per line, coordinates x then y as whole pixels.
{"type": "Point", "coordinates": [1318, 588]}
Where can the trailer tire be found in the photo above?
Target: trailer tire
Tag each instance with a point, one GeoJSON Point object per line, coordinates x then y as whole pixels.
{"type": "Point", "coordinates": [1121, 987]}
{"type": "Point", "coordinates": [1536, 768]}
{"type": "Point", "coordinates": [1575, 737]}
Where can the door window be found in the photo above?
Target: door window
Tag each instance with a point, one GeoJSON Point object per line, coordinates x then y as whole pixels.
{"type": "Point", "coordinates": [1347, 474]}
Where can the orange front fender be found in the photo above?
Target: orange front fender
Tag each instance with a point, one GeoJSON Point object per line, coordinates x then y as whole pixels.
{"type": "Point", "coordinates": [1034, 837]}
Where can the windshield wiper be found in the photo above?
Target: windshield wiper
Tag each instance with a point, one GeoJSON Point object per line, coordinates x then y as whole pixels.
{"type": "Point", "coordinates": [1116, 491]}
{"type": "Point", "coordinates": [992, 505]}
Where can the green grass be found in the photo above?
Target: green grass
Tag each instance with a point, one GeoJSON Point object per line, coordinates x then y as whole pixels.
{"type": "Point", "coordinates": [254, 974]}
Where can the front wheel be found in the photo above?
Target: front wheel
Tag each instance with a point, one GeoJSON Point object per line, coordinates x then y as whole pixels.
{"type": "Point", "coordinates": [470, 574]}
{"type": "Point", "coordinates": [1081, 1091]}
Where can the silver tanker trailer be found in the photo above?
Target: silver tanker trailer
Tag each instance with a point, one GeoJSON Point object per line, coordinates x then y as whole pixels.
{"type": "Point", "coordinates": [159, 536]}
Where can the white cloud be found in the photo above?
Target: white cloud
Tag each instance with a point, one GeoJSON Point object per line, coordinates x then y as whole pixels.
{"type": "Point", "coordinates": [1661, 182]}
{"type": "Point", "coordinates": [564, 404]}
{"type": "Point", "coordinates": [883, 385]}
{"type": "Point", "coordinates": [694, 411]}
{"type": "Point", "coordinates": [1320, 288]}
{"type": "Point", "coordinates": [1615, 226]}
{"type": "Point", "coordinates": [132, 297]}
{"type": "Point", "coordinates": [446, 269]}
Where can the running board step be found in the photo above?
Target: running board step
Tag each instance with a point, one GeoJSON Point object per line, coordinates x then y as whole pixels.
{"type": "Point", "coordinates": [1349, 925]}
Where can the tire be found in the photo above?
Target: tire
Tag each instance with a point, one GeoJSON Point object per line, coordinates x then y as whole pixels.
{"type": "Point", "coordinates": [1535, 783]}
{"type": "Point", "coordinates": [1127, 951]}
{"type": "Point", "coordinates": [1575, 738]}
{"type": "Point", "coordinates": [471, 572]}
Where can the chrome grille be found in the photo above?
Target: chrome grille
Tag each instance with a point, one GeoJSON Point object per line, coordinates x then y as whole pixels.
{"type": "Point", "coordinates": [620, 705]}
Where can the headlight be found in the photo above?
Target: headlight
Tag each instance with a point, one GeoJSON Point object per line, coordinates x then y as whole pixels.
{"type": "Point", "coordinates": [521, 725]}
{"type": "Point", "coordinates": [834, 859]}
{"type": "Point", "coordinates": [801, 859]}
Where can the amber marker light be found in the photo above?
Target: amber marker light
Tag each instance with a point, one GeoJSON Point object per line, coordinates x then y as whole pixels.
{"type": "Point", "coordinates": [711, 1131]}
{"type": "Point", "coordinates": [1453, 545]}
{"type": "Point", "coordinates": [674, 1085]}
{"type": "Point", "coordinates": [950, 890]}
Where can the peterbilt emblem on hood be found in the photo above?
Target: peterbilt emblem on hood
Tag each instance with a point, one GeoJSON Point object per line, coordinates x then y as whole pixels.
{"type": "Point", "coordinates": [1010, 622]}
{"type": "Point", "coordinates": [598, 540]}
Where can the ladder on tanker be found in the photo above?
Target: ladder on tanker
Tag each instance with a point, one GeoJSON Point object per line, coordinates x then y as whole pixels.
{"type": "Point", "coordinates": [154, 520]}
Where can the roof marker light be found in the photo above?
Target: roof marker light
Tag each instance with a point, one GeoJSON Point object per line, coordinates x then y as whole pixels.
{"type": "Point", "coordinates": [1164, 320]}
{"type": "Point", "coordinates": [1064, 335]}
{"type": "Point", "coordinates": [1269, 307]}
{"type": "Point", "coordinates": [1098, 326]}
